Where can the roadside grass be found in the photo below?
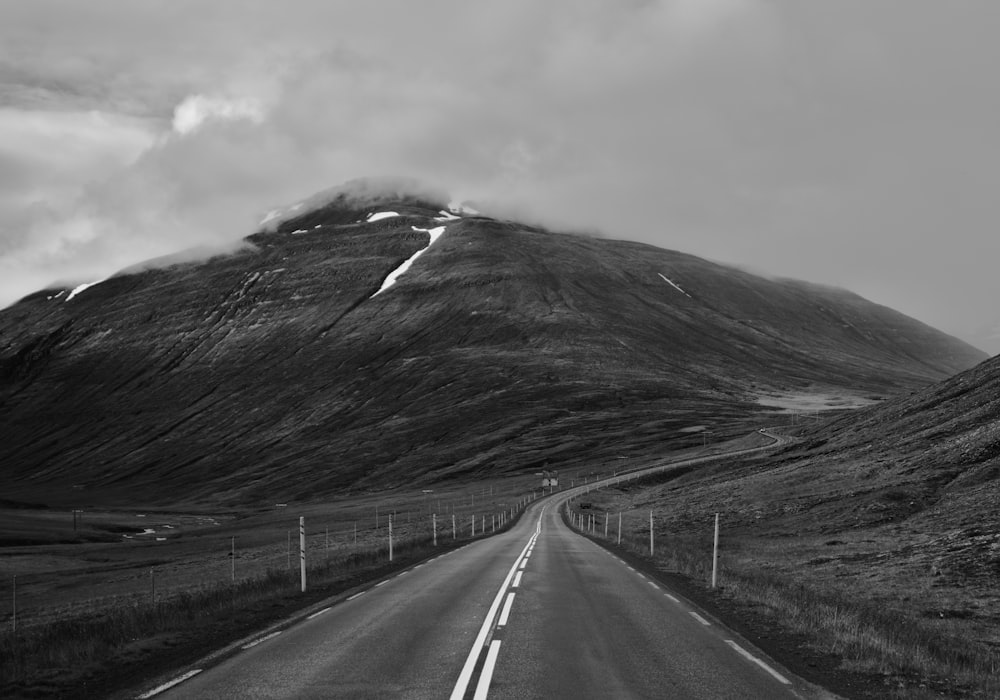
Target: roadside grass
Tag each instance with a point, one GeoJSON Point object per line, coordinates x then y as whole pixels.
{"type": "Point", "coordinates": [867, 638]}
{"type": "Point", "coordinates": [39, 658]}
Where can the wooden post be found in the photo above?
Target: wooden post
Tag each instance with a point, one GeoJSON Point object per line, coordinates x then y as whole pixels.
{"type": "Point", "coordinates": [390, 538]}
{"type": "Point", "coordinates": [715, 553]}
{"type": "Point", "coordinates": [454, 531]}
{"type": "Point", "coordinates": [619, 527]}
{"type": "Point", "coordinates": [327, 530]}
{"type": "Point", "coordinates": [302, 552]}
{"type": "Point", "coordinates": [650, 533]}
{"type": "Point", "coordinates": [605, 524]}
{"type": "Point", "coordinates": [434, 525]}
{"type": "Point", "coordinates": [473, 525]}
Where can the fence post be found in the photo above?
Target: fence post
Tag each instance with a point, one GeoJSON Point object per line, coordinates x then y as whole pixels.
{"type": "Point", "coordinates": [605, 524]}
{"type": "Point", "coordinates": [454, 531]}
{"type": "Point", "coordinates": [715, 553]}
{"type": "Point", "coordinates": [473, 526]}
{"type": "Point", "coordinates": [232, 557]}
{"type": "Point", "coordinates": [434, 525]}
{"type": "Point", "coordinates": [619, 528]}
{"type": "Point", "coordinates": [327, 544]}
{"type": "Point", "coordinates": [302, 552]}
{"type": "Point", "coordinates": [288, 550]}
{"type": "Point", "coordinates": [390, 538]}
{"type": "Point", "coordinates": [650, 533]}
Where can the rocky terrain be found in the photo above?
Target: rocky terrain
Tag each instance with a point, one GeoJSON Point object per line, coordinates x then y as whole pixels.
{"type": "Point", "coordinates": [281, 372]}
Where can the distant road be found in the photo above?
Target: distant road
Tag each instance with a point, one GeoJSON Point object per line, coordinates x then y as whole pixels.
{"type": "Point", "coordinates": [536, 612]}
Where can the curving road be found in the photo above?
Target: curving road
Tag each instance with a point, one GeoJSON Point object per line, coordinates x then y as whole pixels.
{"type": "Point", "coordinates": [535, 612]}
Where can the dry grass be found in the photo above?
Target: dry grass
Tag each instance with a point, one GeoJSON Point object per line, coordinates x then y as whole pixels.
{"type": "Point", "coordinates": [869, 638]}
{"type": "Point", "coordinates": [33, 657]}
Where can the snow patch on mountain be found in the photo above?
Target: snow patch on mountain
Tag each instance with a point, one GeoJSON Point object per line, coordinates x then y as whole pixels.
{"type": "Point", "coordinates": [378, 216]}
{"type": "Point", "coordinates": [82, 287]}
{"type": "Point", "coordinates": [446, 216]}
{"type": "Point", "coordinates": [457, 207]}
{"type": "Point", "coordinates": [672, 284]}
{"type": "Point", "coordinates": [435, 233]}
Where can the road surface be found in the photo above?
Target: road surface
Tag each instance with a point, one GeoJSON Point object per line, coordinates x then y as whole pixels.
{"type": "Point", "coordinates": [535, 612]}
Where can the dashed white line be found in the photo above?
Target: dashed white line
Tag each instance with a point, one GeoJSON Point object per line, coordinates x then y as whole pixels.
{"type": "Point", "coordinates": [700, 619]}
{"type": "Point", "coordinates": [505, 613]}
{"type": "Point", "coordinates": [483, 687]}
{"type": "Point", "coordinates": [317, 613]}
{"type": "Point", "coordinates": [170, 684]}
{"type": "Point", "coordinates": [671, 597]}
{"type": "Point", "coordinates": [743, 652]}
{"type": "Point", "coordinates": [359, 593]}
{"type": "Point", "coordinates": [652, 583]}
{"type": "Point", "coordinates": [517, 579]}
{"type": "Point", "coordinates": [262, 639]}
{"type": "Point", "coordinates": [381, 583]}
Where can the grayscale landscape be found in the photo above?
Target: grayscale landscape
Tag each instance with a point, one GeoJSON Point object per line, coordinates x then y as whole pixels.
{"type": "Point", "coordinates": [638, 389]}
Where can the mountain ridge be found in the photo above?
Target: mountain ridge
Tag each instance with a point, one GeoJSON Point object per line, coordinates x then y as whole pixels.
{"type": "Point", "coordinates": [274, 370]}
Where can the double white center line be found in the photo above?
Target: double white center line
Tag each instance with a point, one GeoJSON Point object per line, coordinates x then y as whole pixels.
{"type": "Point", "coordinates": [483, 639]}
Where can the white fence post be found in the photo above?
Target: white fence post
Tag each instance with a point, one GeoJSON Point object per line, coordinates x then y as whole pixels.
{"type": "Point", "coordinates": [302, 552]}
{"type": "Point", "coordinates": [715, 553]}
{"type": "Point", "coordinates": [619, 528]}
{"type": "Point", "coordinates": [390, 538]}
{"type": "Point", "coordinates": [650, 533]}
{"type": "Point", "coordinates": [454, 531]}
{"type": "Point", "coordinates": [434, 525]}
{"type": "Point", "coordinates": [605, 524]}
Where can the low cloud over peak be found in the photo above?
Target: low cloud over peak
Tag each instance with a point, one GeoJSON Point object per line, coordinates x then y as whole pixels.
{"type": "Point", "coordinates": [788, 137]}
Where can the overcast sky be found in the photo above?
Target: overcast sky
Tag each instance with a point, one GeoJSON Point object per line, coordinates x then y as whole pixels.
{"type": "Point", "coordinates": [845, 142]}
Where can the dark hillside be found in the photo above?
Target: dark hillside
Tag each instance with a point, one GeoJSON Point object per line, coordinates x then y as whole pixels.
{"type": "Point", "coordinates": [274, 374]}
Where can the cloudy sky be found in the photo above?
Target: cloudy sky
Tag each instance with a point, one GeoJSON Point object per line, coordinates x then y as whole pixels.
{"type": "Point", "coordinates": [847, 142]}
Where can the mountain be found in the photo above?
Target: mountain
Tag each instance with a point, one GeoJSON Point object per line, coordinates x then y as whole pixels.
{"type": "Point", "coordinates": [282, 372]}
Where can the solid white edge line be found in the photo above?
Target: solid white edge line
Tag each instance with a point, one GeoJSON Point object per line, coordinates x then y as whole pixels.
{"type": "Point", "coordinates": [505, 613]}
{"type": "Point", "coordinates": [169, 684]}
{"type": "Point", "coordinates": [517, 580]}
{"type": "Point", "coordinates": [700, 619]}
{"type": "Point", "coordinates": [743, 652]}
{"type": "Point", "coordinates": [262, 639]}
{"type": "Point", "coordinates": [483, 687]}
{"type": "Point", "coordinates": [317, 613]}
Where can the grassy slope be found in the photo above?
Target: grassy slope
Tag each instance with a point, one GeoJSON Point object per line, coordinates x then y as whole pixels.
{"type": "Point", "coordinates": [893, 509]}
{"type": "Point", "coordinates": [271, 375]}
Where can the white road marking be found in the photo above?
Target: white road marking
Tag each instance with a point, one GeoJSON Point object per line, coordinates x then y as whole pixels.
{"type": "Point", "coordinates": [169, 684]}
{"type": "Point", "coordinates": [356, 595]}
{"type": "Point", "coordinates": [523, 563]}
{"type": "Point", "coordinates": [458, 692]}
{"type": "Point", "coordinates": [381, 583]}
{"type": "Point", "coordinates": [653, 584]}
{"type": "Point", "coordinates": [262, 639]}
{"type": "Point", "coordinates": [517, 580]}
{"type": "Point", "coordinates": [483, 687]}
{"type": "Point", "coordinates": [700, 619]}
{"type": "Point", "coordinates": [505, 613]}
{"type": "Point", "coordinates": [317, 613]}
{"type": "Point", "coordinates": [751, 657]}
{"type": "Point", "coordinates": [671, 597]}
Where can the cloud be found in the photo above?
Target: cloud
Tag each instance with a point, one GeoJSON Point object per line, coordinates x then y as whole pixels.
{"type": "Point", "coordinates": [784, 136]}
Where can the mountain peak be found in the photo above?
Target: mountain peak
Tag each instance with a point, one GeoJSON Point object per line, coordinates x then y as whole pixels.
{"type": "Point", "coordinates": [356, 199]}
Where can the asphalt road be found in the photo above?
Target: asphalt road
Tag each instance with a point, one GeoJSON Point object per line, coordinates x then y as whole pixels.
{"type": "Point", "coordinates": [536, 612]}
